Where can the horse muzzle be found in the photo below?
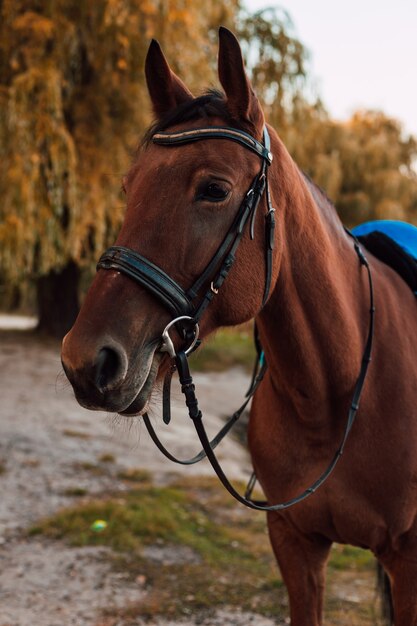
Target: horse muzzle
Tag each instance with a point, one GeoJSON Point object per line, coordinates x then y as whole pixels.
{"type": "Point", "coordinates": [107, 379]}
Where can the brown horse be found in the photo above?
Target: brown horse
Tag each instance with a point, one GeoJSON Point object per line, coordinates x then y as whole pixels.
{"type": "Point", "coordinates": [181, 200]}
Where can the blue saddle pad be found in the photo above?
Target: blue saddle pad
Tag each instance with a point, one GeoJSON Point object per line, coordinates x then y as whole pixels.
{"type": "Point", "coordinates": [405, 235]}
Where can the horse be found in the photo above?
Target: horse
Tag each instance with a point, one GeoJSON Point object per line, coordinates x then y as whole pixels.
{"type": "Point", "coordinates": [305, 283]}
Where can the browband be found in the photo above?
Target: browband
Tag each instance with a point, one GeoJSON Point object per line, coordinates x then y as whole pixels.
{"type": "Point", "coordinates": [214, 132]}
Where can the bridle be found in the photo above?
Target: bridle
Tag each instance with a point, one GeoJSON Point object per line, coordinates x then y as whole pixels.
{"type": "Point", "coordinates": [188, 306]}
{"type": "Point", "coordinates": [182, 302]}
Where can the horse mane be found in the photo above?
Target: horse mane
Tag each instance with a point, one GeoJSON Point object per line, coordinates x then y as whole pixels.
{"type": "Point", "coordinates": [212, 103]}
{"type": "Point", "coordinates": [321, 198]}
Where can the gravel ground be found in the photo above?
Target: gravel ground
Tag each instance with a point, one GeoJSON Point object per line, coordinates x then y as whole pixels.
{"type": "Point", "coordinates": [45, 438]}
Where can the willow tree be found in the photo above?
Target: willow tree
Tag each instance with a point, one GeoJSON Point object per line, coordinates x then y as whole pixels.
{"type": "Point", "coordinates": [73, 104]}
{"type": "Point", "coordinates": [366, 164]}
{"type": "Point", "coordinates": [277, 62]}
{"type": "Point", "coordinates": [377, 160]}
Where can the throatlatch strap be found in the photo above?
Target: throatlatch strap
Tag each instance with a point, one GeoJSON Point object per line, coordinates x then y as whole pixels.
{"type": "Point", "coordinates": [269, 244]}
{"type": "Point", "coordinates": [230, 244]}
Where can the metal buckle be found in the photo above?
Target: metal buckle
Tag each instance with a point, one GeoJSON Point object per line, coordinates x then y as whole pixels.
{"type": "Point", "coordinates": [167, 344]}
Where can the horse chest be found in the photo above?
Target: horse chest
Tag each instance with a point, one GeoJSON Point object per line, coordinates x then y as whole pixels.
{"type": "Point", "coordinates": [370, 501]}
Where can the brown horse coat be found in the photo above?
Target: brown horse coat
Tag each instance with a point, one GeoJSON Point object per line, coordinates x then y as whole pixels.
{"type": "Point", "coordinates": [313, 329]}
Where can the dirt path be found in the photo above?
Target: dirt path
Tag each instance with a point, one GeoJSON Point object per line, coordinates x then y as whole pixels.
{"type": "Point", "coordinates": [47, 445]}
{"type": "Point", "coordinates": [45, 435]}
{"type": "Point", "coordinates": [46, 442]}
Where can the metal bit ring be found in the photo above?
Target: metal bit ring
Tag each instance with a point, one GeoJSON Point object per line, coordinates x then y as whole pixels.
{"type": "Point", "coordinates": [167, 344]}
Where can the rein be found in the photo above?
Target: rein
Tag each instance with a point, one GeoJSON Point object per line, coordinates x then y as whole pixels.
{"type": "Point", "coordinates": [187, 308]}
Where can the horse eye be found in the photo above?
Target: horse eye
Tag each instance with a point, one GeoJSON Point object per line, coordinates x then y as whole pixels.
{"type": "Point", "coordinates": [212, 192]}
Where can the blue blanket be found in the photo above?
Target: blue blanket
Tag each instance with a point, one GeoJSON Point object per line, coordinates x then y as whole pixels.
{"type": "Point", "coordinates": [405, 235]}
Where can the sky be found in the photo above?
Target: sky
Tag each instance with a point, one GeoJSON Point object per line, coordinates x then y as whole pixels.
{"type": "Point", "coordinates": [363, 53]}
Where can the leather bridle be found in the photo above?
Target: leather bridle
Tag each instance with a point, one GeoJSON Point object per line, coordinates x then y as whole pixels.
{"type": "Point", "coordinates": [181, 302]}
{"type": "Point", "coordinates": [188, 306]}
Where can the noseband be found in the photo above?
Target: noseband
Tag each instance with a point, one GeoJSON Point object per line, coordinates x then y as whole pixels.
{"type": "Point", "coordinates": [188, 306]}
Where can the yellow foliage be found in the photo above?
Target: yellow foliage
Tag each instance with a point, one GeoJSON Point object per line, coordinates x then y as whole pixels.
{"type": "Point", "coordinates": [366, 165]}
{"type": "Point", "coordinates": [34, 26]}
{"type": "Point", "coordinates": [73, 105]}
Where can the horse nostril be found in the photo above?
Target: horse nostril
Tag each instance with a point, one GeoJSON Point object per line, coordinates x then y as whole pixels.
{"type": "Point", "coordinates": [110, 368]}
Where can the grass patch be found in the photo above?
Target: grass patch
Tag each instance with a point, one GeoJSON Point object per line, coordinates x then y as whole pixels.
{"type": "Point", "coordinates": [92, 468]}
{"type": "Point", "coordinates": [75, 492]}
{"type": "Point", "coordinates": [135, 475]}
{"type": "Point", "coordinates": [348, 557]}
{"type": "Point", "coordinates": [142, 517]}
{"type": "Point", "coordinates": [107, 458]}
{"type": "Point", "coordinates": [229, 347]}
{"type": "Point", "coordinates": [234, 567]}
{"type": "Point", "coordinates": [68, 432]}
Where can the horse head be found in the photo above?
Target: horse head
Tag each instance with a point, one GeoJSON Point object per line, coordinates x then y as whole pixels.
{"type": "Point", "coordinates": [181, 201]}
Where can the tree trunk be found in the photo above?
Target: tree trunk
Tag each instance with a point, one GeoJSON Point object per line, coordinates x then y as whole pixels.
{"type": "Point", "coordinates": [58, 303]}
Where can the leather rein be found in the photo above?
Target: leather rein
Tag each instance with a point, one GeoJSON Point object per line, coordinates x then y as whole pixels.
{"type": "Point", "coordinates": [188, 306]}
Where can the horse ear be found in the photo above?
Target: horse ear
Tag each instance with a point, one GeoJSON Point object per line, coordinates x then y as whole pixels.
{"type": "Point", "coordinates": [166, 90]}
{"type": "Point", "coordinates": [241, 99]}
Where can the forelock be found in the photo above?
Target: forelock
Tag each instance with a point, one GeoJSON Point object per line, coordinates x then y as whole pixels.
{"type": "Point", "coordinates": [211, 104]}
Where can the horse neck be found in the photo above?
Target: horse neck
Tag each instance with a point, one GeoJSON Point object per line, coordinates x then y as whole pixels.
{"type": "Point", "coordinates": [314, 326]}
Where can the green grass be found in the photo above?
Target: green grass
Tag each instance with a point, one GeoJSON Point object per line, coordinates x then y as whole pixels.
{"type": "Point", "coordinates": [229, 347]}
{"type": "Point", "coordinates": [107, 457]}
{"type": "Point", "coordinates": [92, 468]}
{"type": "Point", "coordinates": [349, 557]}
{"type": "Point", "coordinates": [75, 492]}
{"type": "Point", "coordinates": [146, 516]}
{"type": "Point", "coordinates": [234, 562]}
{"type": "Point", "coordinates": [78, 434]}
{"type": "Point", "coordinates": [135, 475]}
